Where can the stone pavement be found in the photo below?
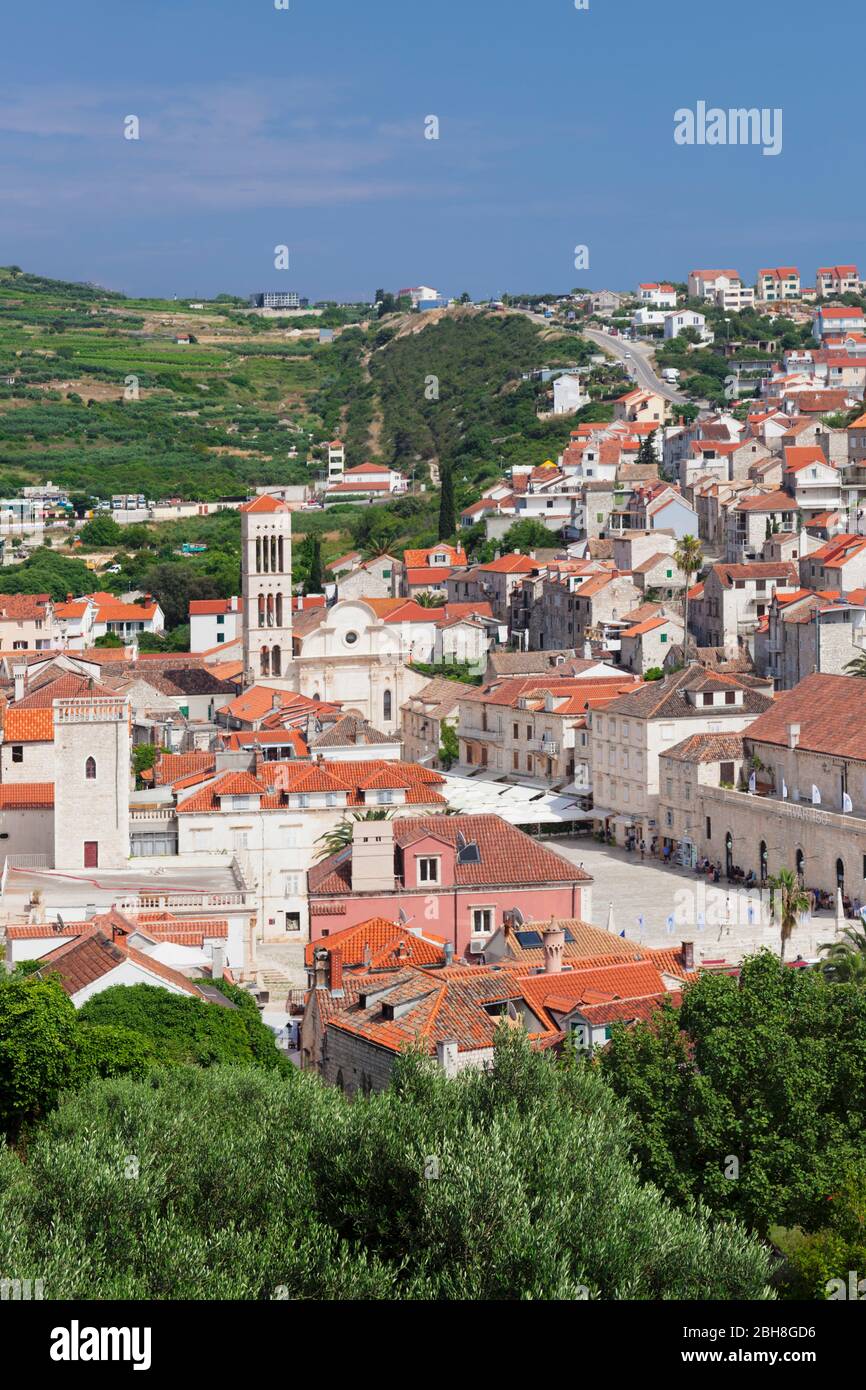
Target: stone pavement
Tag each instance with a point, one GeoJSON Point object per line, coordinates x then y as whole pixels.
{"type": "Point", "coordinates": [724, 923]}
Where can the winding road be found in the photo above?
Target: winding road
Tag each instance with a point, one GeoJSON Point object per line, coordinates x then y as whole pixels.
{"type": "Point", "coordinates": [639, 364]}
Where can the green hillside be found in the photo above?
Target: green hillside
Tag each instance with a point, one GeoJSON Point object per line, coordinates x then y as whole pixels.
{"type": "Point", "coordinates": [96, 394]}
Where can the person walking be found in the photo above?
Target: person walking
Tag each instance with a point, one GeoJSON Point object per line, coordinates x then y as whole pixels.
{"type": "Point", "coordinates": [642, 850]}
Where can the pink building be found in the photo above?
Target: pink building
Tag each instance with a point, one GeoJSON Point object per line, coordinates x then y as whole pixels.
{"type": "Point", "coordinates": [453, 876]}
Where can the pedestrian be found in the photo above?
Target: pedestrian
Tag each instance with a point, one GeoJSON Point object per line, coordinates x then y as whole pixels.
{"type": "Point", "coordinates": [642, 850]}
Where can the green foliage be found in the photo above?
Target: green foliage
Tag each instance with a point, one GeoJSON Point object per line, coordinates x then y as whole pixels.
{"type": "Point", "coordinates": [101, 530]}
{"type": "Point", "coordinates": [449, 746]}
{"type": "Point", "coordinates": [109, 639]}
{"type": "Point", "coordinates": [181, 1028]}
{"type": "Point", "coordinates": [447, 512]}
{"type": "Point", "coordinates": [37, 1027]}
{"type": "Point", "coordinates": [836, 1249]}
{"type": "Point", "coordinates": [655, 673]}
{"type": "Point", "coordinates": [144, 755]}
{"type": "Point", "coordinates": [766, 1070]}
{"type": "Point", "coordinates": [250, 1185]}
{"type": "Point", "coordinates": [44, 571]}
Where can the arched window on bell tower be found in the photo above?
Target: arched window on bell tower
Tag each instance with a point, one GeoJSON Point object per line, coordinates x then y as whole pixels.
{"type": "Point", "coordinates": [261, 610]}
{"type": "Point", "coordinates": [280, 555]}
{"type": "Point", "coordinates": [277, 662]}
{"type": "Point", "coordinates": [265, 662]}
{"type": "Point", "coordinates": [258, 555]}
{"type": "Point", "coordinates": [279, 604]}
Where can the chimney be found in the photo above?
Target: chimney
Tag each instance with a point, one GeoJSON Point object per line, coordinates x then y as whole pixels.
{"type": "Point", "coordinates": [449, 953]}
{"type": "Point", "coordinates": [688, 949]}
{"type": "Point", "coordinates": [217, 962]}
{"type": "Point", "coordinates": [321, 968]}
{"type": "Point", "coordinates": [300, 602]}
{"type": "Point", "coordinates": [446, 1056]}
{"type": "Point", "coordinates": [793, 735]}
{"type": "Point", "coordinates": [335, 974]}
{"type": "Point", "coordinates": [19, 674]}
{"type": "Point", "coordinates": [553, 942]}
{"type": "Point", "coordinates": [276, 702]}
{"type": "Point", "coordinates": [373, 857]}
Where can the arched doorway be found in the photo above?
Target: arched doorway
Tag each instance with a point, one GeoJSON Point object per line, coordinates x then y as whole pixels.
{"type": "Point", "coordinates": [764, 871]}
{"type": "Point", "coordinates": [840, 874]}
{"type": "Point", "coordinates": [729, 853]}
{"type": "Point", "coordinates": [799, 861]}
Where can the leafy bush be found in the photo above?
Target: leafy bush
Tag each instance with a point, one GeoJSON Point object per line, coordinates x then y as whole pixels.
{"type": "Point", "coordinates": [247, 1185]}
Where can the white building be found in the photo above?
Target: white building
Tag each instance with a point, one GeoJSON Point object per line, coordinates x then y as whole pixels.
{"type": "Point", "coordinates": [266, 568]}
{"type": "Point", "coordinates": [214, 622]}
{"type": "Point", "coordinates": [682, 319]}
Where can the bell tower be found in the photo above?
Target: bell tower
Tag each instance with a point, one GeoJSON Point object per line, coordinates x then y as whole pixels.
{"type": "Point", "coordinates": [266, 569]}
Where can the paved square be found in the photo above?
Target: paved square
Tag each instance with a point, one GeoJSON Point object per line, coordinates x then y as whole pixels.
{"type": "Point", "coordinates": [651, 890]}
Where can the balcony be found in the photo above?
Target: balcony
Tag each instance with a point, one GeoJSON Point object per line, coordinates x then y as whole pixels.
{"type": "Point", "coordinates": [548, 746]}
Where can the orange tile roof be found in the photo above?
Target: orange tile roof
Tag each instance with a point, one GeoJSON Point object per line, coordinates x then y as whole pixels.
{"type": "Point", "coordinates": [384, 940]}
{"type": "Point", "coordinates": [265, 503]}
{"type": "Point", "coordinates": [28, 725]}
{"type": "Point", "coordinates": [26, 796]}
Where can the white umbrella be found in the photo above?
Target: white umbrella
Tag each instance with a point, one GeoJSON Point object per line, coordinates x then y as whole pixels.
{"type": "Point", "coordinates": [610, 923]}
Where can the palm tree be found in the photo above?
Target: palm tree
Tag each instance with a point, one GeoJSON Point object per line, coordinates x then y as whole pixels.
{"type": "Point", "coordinates": [430, 599]}
{"type": "Point", "coordinates": [340, 836]}
{"type": "Point", "coordinates": [846, 958]}
{"type": "Point", "coordinates": [857, 666]}
{"type": "Point", "coordinates": [792, 901]}
{"type": "Point", "coordinates": [689, 558]}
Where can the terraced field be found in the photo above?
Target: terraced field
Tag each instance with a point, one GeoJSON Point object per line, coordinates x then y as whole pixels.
{"type": "Point", "coordinates": [96, 394]}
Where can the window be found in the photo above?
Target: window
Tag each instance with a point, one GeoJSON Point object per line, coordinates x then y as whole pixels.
{"type": "Point", "coordinates": [385, 798]}
{"type": "Point", "coordinates": [90, 769]}
{"type": "Point", "coordinates": [730, 697]}
{"type": "Point", "coordinates": [240, 837]}
{"type": "Point", "coordinates": [515, 763]}
{"type": "Point", "coordinates": [386, 705]}
{"type": "Point", "coordinates": [291, 885]}
{"type": "Point", "coordinates": [330, 798]}
{"type": "Point", "coordinates": [482, 919]}
{"type": "Point", "coordinates": [664, 637]}
{"type": "Point", "coordinates": [428, 870]}
{"type": "Point", "coordinates": [709, 828]}
{"type": "Point", "coordinates": [17, 753]}
{"type": "Point", "coordinates": [350, 639]}
{"type": "Point", "coordinates": [516, 728]}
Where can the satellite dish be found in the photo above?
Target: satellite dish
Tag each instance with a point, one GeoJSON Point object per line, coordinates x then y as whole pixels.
{"type": "Point", "coordinates": [402, 917]}
{"type": "Point", "coordinates": [517, 917]}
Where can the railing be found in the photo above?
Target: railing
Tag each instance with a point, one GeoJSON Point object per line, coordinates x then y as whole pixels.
{"type": "Point", "coordinates": [795, 810]}
{"type": "Point", "coordinates": [546, 745]}
{"type": "Point", "coordinates": [86, 711]}
{"type": "Point", "coordinates": [158, 813]}
{"type": "Point", "coordinates": [167, 900]}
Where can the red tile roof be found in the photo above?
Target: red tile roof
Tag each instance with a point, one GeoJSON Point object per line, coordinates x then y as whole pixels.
{"type": "Point", "coordinates": [28, 725]}
{"type": "Point", "coordinates": [274, 782]}
{"type": "Point", "coordinates": [831, 712]}
{"type": "Point", "coordinates": [26, 796]}
{"type": "Point", "coordinates": [506, 855]}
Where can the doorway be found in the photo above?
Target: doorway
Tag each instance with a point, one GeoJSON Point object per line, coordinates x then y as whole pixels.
{"type": "Point", "coordinates": [91, 854]}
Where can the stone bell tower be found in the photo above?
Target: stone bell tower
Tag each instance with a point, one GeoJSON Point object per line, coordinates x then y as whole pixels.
{"type": "Point", "coordinates": [266, 568]}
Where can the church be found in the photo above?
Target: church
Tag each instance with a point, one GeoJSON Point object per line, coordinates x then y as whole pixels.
{"type": "Point", "coordinates": [346, 653]}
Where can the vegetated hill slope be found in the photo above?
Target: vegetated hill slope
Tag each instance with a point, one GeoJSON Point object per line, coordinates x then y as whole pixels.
{"type": "Point", "coordinates": [97, 394]}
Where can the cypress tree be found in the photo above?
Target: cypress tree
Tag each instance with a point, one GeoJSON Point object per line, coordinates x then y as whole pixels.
{"type": "Point", "coordinates": [447, 517]}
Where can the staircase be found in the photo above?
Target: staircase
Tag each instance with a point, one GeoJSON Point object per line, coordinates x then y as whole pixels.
{"type": "Point", "coordinates": [280, 970]}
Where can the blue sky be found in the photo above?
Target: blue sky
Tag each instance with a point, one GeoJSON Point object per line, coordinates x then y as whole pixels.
{"type": "Point", "coordinates": [305, 127]}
